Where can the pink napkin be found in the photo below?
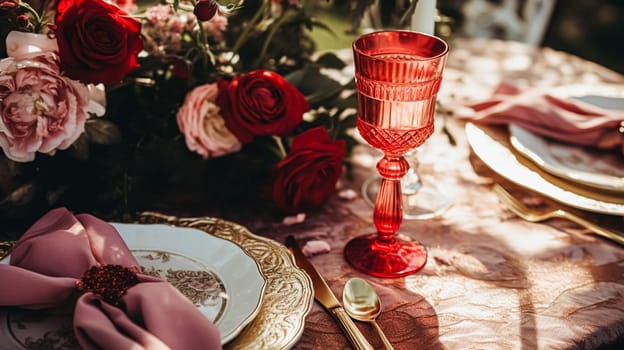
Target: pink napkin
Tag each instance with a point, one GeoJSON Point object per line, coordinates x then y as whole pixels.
{"type": "Point", "coordinates": [53, 255]}
{"type": "Point", "coordinates": [565, 120]}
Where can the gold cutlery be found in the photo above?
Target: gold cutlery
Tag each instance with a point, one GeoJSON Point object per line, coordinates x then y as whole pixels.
{"type": "Point", "coordinates": [324, 295]}
{"type": "Point", "coordinates": [362, 303]}
{"type": "Point", "coordinates": [537, 215]}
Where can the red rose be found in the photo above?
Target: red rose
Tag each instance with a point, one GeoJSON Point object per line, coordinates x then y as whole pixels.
{"type": "Point", "coordinates": [261, 103]}
{"type": "Point", "coordinates": [307, 177]}
{"type": "Point", "coordinates": [98, 42]}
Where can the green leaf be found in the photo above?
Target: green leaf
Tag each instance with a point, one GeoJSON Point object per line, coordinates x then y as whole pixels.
{"type": "Point", "coordinates": [318, 88]}
{"type": "Point", "coordinates": [80, 148]}
{"type": "Point", "coordinates": [103, 132]}
{"type": "Point", "coordinates": [330, 60]}
{"type": "Point", "coordinates": [296, 77]}
{"type": "Point", "coordinates": [348, 102]}
{"type": "Point", "coordinates": [20, 196]}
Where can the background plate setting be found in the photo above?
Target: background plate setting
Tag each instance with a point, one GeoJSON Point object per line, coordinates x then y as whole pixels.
{"type": "Point", "coordinates": [595, 168]}
{"type": "Point", "coordinates": [492, 146]}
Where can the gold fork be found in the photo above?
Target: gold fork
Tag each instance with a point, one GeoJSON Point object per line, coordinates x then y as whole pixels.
{"type": "Point", "coordinates": [536, 215]}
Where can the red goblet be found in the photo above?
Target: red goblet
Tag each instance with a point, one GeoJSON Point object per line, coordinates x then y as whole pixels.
{"type": "Point", "coordinates": [398, 75]}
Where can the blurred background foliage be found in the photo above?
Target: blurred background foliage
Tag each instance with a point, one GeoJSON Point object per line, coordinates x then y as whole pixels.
{"type": "Point", "coordinates": [591, 29]}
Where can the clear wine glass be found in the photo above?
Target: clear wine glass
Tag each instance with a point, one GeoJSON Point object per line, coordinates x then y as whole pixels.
{"type": "Point", "coordinates": [421, 199]}
{"type": "Point", "coordinates": [398, 75]}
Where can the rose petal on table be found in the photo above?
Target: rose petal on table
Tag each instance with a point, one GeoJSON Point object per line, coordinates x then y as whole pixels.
{"type": "Point", "coordinates": [347, 194]}
{"type": "Point", "coordinates": [296, 219]}
{"type": "Point", "coordinates": [315, 247]}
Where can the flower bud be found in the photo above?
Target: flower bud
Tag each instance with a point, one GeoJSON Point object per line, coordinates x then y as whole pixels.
{"type": "Point", "coordinates": [8, 5]}
{"type": "Point", "coordinates": [22, 21]}
{"type": "Point", "coordinates": [205, 9]}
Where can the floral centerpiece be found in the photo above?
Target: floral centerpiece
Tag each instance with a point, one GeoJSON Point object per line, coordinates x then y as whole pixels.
{"type": "Point", "coordinates": [119, 107]}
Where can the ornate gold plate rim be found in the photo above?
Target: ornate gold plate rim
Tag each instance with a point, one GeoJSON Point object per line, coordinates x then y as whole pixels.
{"type": "Point", "coordinates": [288, 295]}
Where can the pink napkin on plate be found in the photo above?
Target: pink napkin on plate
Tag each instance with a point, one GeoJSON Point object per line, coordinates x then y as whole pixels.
{"type": "Point", "coordinates": [50, 260]}
{"type": "Point", "coordinates": [565, 120]}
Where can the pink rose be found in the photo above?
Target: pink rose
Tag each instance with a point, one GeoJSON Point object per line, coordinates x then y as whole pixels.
{"type": "Point", "coordinates": [204, 129]}
{"type": "Point", "coordinates": [40, 109]}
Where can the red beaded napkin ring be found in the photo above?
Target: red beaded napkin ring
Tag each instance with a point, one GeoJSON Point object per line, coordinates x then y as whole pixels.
{"type": "Point", "coordinates": [111, 282]}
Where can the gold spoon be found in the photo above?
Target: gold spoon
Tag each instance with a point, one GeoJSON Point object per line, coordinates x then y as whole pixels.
{"type": "Point", "coordinates": [362, 303]}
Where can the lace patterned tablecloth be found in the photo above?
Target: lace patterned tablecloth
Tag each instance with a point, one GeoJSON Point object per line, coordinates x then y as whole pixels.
{"type": "Point", "coordinates": [492, 281]}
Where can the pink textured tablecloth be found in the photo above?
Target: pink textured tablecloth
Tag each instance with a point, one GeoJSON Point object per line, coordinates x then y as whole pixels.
{"type": "Point", "coordinates": [492, 281]}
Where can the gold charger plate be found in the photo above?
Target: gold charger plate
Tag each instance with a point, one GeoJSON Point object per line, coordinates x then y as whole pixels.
{"type": "Point", "coordinates": [288, 295]}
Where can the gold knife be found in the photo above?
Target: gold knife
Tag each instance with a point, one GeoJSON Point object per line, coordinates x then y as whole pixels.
{"type": "Point", "coordinates": [324, 295]}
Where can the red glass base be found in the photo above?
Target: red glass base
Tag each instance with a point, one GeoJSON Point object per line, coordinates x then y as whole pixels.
{"type": "Point", "coordinates": [396, 259]}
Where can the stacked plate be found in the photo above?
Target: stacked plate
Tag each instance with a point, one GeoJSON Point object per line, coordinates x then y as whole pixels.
{"type": "Point", "coordinates": [249, 286]}
{"type": "Point", "coordinates": [580, 177]}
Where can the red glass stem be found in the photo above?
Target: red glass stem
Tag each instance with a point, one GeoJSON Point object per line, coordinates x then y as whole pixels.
{"type": "Point", "coordinates": [388, 213]}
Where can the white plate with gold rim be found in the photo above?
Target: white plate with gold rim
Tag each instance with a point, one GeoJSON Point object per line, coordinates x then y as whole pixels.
{"type": "Point", "coordinates": [596, 168]}
{"type": "Point", "coordinates": [224, 282]}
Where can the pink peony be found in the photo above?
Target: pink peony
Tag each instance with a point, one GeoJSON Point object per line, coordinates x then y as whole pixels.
{"type": "Point", "coordinates": [22, 43]}
{"type": "Point", "coordinates": [40, 109]}
{"type": "Point", "coordinates": [204, 129]}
